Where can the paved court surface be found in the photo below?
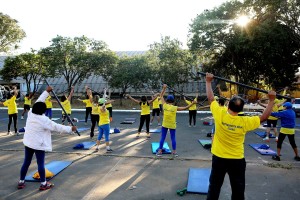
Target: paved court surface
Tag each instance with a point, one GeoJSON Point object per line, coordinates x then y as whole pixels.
{"type": "Point", "coordinates": [133, 172]}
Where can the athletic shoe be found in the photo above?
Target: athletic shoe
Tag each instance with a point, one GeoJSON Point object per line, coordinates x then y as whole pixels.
{"type": "Point", "coordinates": [150, 124]}
{"type": "Point", "coordinates": [266, 139]}
{"type": "Point", "coordinates": [159, 124]}
{"type": "Point", "coordinates": [109, 150]}
{"type": "Point", "coordinates": [47, 186]}
{"type": "Point", "coordinates": [175, 154]}
{"type": "Point", "coordinates": [21, 185]}
{"type": "Point", "coordinates": [276, 158]}
{"type": "Point", "coordinates": [17, 133]}
{"type": "Point", "coordinates": [97, 148]}
{"type": "Point", "coordinates": [297, 158]}
{"type": "Point", "coordinates": [148, 135]}
{"type": "Point", "coordinates": [91, 135]}
{"type": "Point", "coordinates": [190, 126]}
{"type": "Point", "coordinates": [137, 135]}
{"type": "Point", "coordinates": [159, 154]}
{"type": "Point", "coordinates": [9, 133]}
{"type": "Point", "coordinates": [22, 117]}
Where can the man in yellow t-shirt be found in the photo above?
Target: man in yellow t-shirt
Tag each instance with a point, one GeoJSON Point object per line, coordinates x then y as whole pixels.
{"type": "Point", "coordinates": [11, 104]}
{"type": "Point", "coordinates": [27, 103]}
{"type": "Point", "coordinates": [228, 145]}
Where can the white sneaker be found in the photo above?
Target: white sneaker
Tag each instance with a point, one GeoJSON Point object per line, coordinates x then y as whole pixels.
{"type": "Point", "coordinates": [150, 124]}
{"type": "Point", "coordinates": [266, 139]}
{"type": "Point", "coordinates": [9, 133]}
{"type": "Point", "coordinates": [22, 117]}
{"type": "Point", "coordinates": [190, 126]}
{"type": "Point", "coordinates": [159, 124]}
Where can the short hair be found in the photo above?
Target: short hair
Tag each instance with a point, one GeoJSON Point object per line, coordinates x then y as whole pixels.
{"type": "Point", "coordinates": [143, 98]}
{"type": "Point", "coordinates": [39, 108]}
{"type": "Point", "coordinates": [221, 101]}
{"type": "Point", "coordinates": [63, 98]}
{"type": "Point", "coordinates": [27, 95]}
{"type": "Point", "coordinates": [236, 104]}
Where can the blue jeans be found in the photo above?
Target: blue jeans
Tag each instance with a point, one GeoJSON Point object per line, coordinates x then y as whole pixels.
{"type": "Point", "coordinates": [236, 170]}
{"type": "Point", "coordinates": [104, 129]}
{"type": "Point", "coordinates": [164, 132]}
{"type": "Point", "coordinates": [40, 159]}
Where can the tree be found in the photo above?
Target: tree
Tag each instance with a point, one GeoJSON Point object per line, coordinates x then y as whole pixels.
{"type": "Point", "coordinates": [267, 47]}
{"type": "Point", "coordinates": [172, 64]}
{"type": "Point", "coordinates": [10, 33]}
{"type": "Point", "coordinates": [77, 58]}
{"type": "Point", "coordinates": [29, 66]}
{"type": "Point", "coordinates": [130, 72]}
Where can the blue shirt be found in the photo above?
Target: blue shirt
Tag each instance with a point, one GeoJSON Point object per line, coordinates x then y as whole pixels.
{"type": "Point", "coordinates": [288, 118]}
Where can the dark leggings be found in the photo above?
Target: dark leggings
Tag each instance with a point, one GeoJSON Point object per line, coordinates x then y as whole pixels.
{"type": "Point", "coordinates": [192, 114]}
{"type": "Point", "coordinates": [40, 160]}
{"type": "Point", "coordinates": [95, 120]}
{"type": "Point", "coordinates": [15, 118]}
{"type": "Point", "coordinates": [88, 111]}
{"type": "Point", "coordinates": [142, 120]}
{"type": "Point", "coordinates": [291, 139]}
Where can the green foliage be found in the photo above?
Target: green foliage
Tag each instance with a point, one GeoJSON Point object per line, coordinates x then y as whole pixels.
{"type": "Point", "coordinates": [10, 33]}
{"type": "Point", "coordinates": [172, 64]}
{"type": "Point", "coordinates": [29, 66]}
{"type": "Point", "coordinates": [268, 47]}
{"type": "Point", "coordinates": [77, 58]}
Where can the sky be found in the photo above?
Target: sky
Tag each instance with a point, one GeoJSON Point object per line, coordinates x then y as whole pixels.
{"type": "Point", "coordinates": [124, 25]}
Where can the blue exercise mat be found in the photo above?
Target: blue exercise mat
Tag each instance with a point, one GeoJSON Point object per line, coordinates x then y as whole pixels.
{"type": "Point", "coordinates": [82, 129]}
{"type": "Point", "coordinates": [263, 134]}
{"type": "Point", "coordinates": [205, 143]}
{"type": "Point", "coordinates": [54, 166]}
{"type": "Point", "coordinates": [198, 181]}
{"type": "Point", "coordinates": [260, 148]}
{"type": "Point", "coordinates": [166, 148]}
{"type": "Point", "coordinates": [156, 130]}
{"type": "Point", "coordinates": [85, 145]}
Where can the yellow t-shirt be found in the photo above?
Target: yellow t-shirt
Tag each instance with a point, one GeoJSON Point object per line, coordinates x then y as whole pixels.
{"type": "Point", "coordinates": [48, 102]}
{"type": "Point", "coordinates": [230, 132]}
{"type": "Point", "coordinates": [11, 105]}
{"type": "Point", "coordinates": [108, 105]}
{"type": "Point", "coordinates": [145, 108]}
{"type": "Point", "coordinates": [169, 120]}
{"type": "Point", "coordinates": [193, 107]}
{"type": "Point", "coordinates": [288, 131]}
{"type": "Point", "coordinates": [155, 103]}
{"type": "Point", "coordinates": [95, 109]}
{"type": "Point", "coordinates": [27, 101]}
{"type": "Point", "coordinates": [87, 102]}
{"type": "Point", "coordinates": [104, 117]}
{"type": "Point", "coordinates": [67, 106]}
{"type": "Point", "coordinates": [274, 109]}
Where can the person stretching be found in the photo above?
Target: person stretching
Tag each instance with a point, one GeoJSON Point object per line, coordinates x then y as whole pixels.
{"type": "Point", "coordinates": [169, 121]}
{"type": "Point", "coordinates": [288, 122]}
{"type": "Point", "coordinates": [37, 139]}
{"type": "Point", "coordinates": [145, 113]}
{"type": "Point", "coordinates": [27, 103]}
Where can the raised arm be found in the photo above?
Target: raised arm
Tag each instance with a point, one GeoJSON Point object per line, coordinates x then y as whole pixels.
{"type": "Point", "coordinates": [153, 98]}
{"type": "Point", "coordinates": [209, 91]}
{"type": "Point", "coordinates": [163, 93]}
{"type": "Point", "coordinates": [268, 110]}
{"type": "Point", "coordinates": [71, 93]}
{"type": "Point", "coordinates": [89, 93]}
{"type": "Point", "coordinates": [15, 91]}
{"type": "Point", "coordinates": [45, 94]}
{"type": "Point", "coordinates": [133, 99]}
{"type": "Point", "coordinates": [186, 107]}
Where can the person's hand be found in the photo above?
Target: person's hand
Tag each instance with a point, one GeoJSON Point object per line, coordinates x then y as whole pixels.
{"type": "Point", "coordinates": [164, 86]}
{"type": "Point", "coordinates": [194, 102]}
{"type": "Point", "coordinates": [127, 95]}
{"type": "Point", "coordinates": [286, 88]}
{"type": "Point", "coordinates": [49, 88]}
{"type": "Point", "coordinates": [209, 77]}
{"type": "Point", "coordinates": [86, 87]}
{"type": "Point", "coordinates": [74, 128]}
{"type": "Point", "coordinates": [218, 86]}
{"type": "Point", "coordinates": [72, 87]}
{"type": "Point", "coordinates": [271, 95]}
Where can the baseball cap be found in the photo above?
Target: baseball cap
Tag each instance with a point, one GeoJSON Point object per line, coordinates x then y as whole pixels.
{"type": "Point", "coordinates": [288, 105]}
{"type": "Point", "coordinates": [102, 101]}
{"type": "Point", "coordinates": [170, 98]}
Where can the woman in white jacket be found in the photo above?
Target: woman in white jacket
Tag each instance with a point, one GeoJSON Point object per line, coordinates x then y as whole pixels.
{"type": "Point", "coordinates": [37, 139]}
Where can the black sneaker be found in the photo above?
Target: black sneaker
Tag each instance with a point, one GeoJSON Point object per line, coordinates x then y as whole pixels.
{"type": "Point", "coordinates": [276, 158]}
{"type": "Point", "coordinates": [297, 158]}
{"type": "Point", "coordinates": [109, 150]}
{"type": "Point", "coordinates": [91, 135]}
{"type": "Point", "coordinates": [21, 185]}
{"type": "Point", "coordinates": [47, 186]}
